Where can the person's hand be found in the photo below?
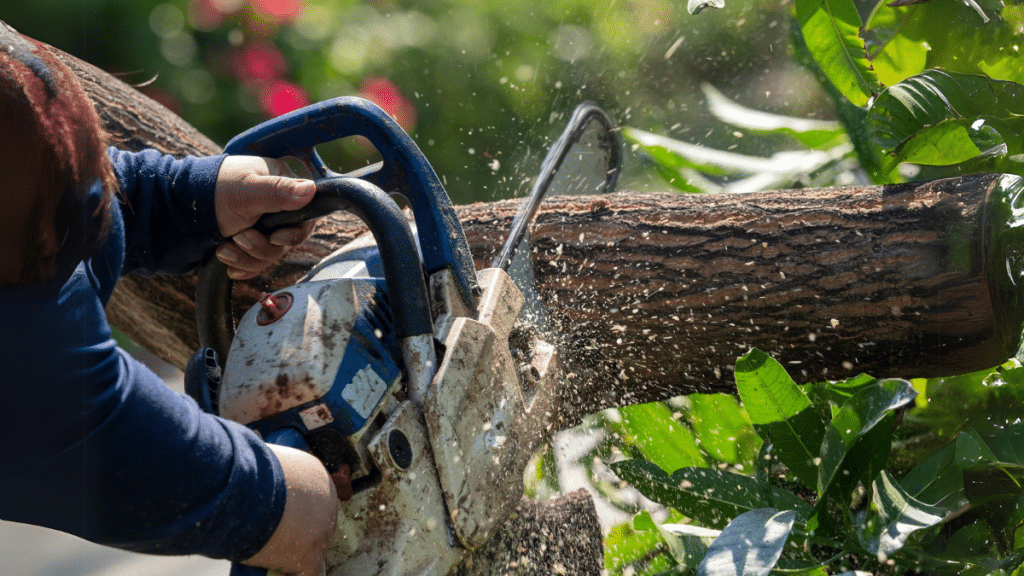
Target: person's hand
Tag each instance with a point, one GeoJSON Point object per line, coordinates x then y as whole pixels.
{"type": "Point", "coordinates": [300, 542]}
{"type": "Point", "coordinates": [247, 188]}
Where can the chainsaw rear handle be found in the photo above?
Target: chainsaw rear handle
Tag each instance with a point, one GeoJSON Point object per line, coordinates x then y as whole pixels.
{"type": "Point", "coordinates": [404, 171]}
{"type": "Point", "coordinates": [403, 272]}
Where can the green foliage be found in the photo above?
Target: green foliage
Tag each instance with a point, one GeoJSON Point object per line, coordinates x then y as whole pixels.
{"type": "Point", "coordinates": [956, 511]}
{"type": "Point", "coordinates": [831, 29]}
{"type": "Point", "coordinates": [933, 88]}
{"type": "Point", "coordinates": [945, 118]}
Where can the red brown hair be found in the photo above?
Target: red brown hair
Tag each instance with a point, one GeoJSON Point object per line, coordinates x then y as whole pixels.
{"type": "Point", "coordinates": [52, 151]}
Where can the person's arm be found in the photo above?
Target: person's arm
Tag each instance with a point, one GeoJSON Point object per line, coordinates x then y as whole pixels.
{"type": "Point", "coordinates": [99, 447]}
{"type": "Point", "coordinates": [173, 217]}
{"type": "Point", "coordinates": [300, 541]}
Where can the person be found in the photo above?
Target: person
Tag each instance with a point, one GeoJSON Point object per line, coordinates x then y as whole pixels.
{"type": "Point", "coordinates": [92, 442]}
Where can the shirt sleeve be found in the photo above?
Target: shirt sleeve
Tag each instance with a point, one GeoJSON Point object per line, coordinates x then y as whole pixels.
{"type": "Point", "coordinates": [94, 444]}
{"type": "Point", "coordinates": [167, 203]}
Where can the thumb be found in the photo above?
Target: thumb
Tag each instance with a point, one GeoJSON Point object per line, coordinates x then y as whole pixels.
{"type": "Point", "coordinates": [263, 194]}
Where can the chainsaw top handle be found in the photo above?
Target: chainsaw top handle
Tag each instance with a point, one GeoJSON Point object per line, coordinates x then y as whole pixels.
{"type": "Point", "coordinates": [403, 272]}
{"type": "Point", "coordinates": [404, 171]}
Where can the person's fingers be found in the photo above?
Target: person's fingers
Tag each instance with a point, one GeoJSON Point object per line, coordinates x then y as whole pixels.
{"type": "Point", "coordinates": [249, 186]}
{"type": "Point", "coordinates": [293, 236]}
{"type": "Point", "coordinates": [241, 266]}
{"type": "Point", "coordinates": [258, 246]}
{"type": "Point", "coordinates": [271, 193]}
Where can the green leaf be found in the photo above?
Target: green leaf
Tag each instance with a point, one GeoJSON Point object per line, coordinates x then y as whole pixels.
{"type": "Point", "coordinates": [722, 428]}
{"type": "Point", "coordinates": [898, 516]}
{"type": "Point", "coordinates": [625, 545]}
{"type": "Point", "coordinates": [816, 134]}
{"type": "Point", "coordinates": [695, 6]}
{"type": "Point", "coordinates": [949, 142]}
{"type": "Point", "coordinates": [1006, 440]}
{"type": "Point", "coordinates": [687, 543]}
{"type": "Point", "coordinates": [831, 29]}
{"type": "Point", "coordinates": [937, 480]}
{"type": "Point", "coordinates": [858, 440]}
{"type": "Point", "coordinates": [707, 495]}
{"type": "Point", "coordinates": [780, 410]}
{"type": "Point", "coordinates": [750, 545]}
{"type": "Point", "coordinates": [767, 391]}
{"type": "Point", "coordinates": [984, 113]}
{"type": "Point", "coordinates": [867, 407]}
{"type": "Point", "coordinates": [661, 438]}
{"type": "Point", "coordinates": [972, 450]}
{"type": "Point", "coordinates": [842, 390]}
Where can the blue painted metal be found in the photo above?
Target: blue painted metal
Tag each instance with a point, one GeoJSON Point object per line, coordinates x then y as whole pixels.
{"type": "Point", "coordinates": [404, 170]}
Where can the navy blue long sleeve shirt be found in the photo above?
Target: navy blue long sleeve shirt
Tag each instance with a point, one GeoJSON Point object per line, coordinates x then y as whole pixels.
{"type": "Point", "coordinates": [91, 441]}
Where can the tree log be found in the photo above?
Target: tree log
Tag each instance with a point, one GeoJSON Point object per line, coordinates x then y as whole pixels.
{"type": "Point", "coordinates": [559, 536]}
{"type": "Point", "coordinates": [655, 295]}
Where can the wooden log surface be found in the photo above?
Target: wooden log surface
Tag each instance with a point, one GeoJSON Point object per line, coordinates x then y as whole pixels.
{"type": "Point", "coordinates": [558, 536]}
{"type": "Point", "coordinates": [655, 295]}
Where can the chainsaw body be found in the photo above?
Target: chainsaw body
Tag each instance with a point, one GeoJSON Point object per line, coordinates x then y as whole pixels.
{"type": "Point", "coordinates": [430, 480]}
{"type": "Point", "coordinates": [423, 378]}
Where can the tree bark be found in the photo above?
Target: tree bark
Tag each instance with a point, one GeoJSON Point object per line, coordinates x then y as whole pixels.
{"type": "Point", "coordinates": [656, 295]}
{"type": "Point", "coordinates": [559, 536]}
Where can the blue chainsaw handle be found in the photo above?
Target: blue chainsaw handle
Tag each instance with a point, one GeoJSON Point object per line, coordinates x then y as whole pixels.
{"type": "Point", "coordinates": [402, 270]}
{"type": "Point", "coordinates": [404, 170]}
{"type": "Point", "coordinates": [283, 437]}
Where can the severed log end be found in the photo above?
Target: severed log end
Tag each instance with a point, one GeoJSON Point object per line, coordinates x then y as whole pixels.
{"type": "Point", "coordinates": [558, 536]}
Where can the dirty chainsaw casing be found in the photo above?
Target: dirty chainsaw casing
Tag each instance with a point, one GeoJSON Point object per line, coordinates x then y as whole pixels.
{"type": "Point", "coordinates": [429, 385]}
{"type": "Point", "coordinates": [431, 481]}
{"type": "Point", "coordinates": [394, 362]}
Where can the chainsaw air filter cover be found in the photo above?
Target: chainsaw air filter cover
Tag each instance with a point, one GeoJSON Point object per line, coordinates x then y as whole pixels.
{"type": "Point", "coordinates": [318, 357]}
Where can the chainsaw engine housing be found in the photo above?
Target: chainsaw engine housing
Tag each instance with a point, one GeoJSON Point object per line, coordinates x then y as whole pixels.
{"type": "Point", "coordinates": [324, 367]}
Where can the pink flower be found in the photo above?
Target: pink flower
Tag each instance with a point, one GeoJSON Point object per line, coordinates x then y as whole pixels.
{"type": "Point", "coordinates": [259, 61]}
{"type": "Point", "coordinates": [280, 97]}
{"type": "Point", "coordinates": [277, 9]}
{"type": "Point", "coordinates": [385, 94]}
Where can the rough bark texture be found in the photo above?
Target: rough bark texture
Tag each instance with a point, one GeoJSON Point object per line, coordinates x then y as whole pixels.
{"type": "Point", "coordinates": [656, 295]}
{"type": "Point", "coordinates": [535, 538]}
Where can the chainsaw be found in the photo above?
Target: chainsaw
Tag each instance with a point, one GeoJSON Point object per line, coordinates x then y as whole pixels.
{"type": "Point", "coordinates": [428, 383]}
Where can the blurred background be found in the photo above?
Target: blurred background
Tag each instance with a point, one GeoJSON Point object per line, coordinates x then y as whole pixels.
{"type": "Point", "coordinates": [483, 86]}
